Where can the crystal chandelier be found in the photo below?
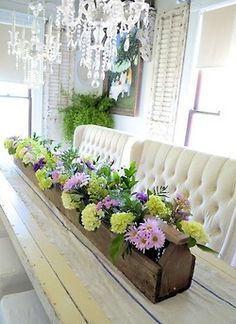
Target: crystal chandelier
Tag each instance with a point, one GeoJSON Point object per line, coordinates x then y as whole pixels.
{"type": "Point", "coordinates": [94, 30]}
{"type": "Point", "coordinates": [36, 56]}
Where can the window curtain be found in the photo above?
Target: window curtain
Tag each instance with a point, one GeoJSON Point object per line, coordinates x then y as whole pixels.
{"type": "Point", "coordinates": [216, 38]}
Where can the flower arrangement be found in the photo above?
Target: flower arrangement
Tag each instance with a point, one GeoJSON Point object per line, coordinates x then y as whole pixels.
{"type": "Point", "coordinates": [104, 195]}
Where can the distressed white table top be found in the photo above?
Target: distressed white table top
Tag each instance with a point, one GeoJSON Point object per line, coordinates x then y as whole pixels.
{"type": "Point", "coordinates": [92, 288]}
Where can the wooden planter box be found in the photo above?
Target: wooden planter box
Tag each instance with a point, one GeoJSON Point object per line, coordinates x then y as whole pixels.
{"type": "Point", "coordinates": [173, 272]}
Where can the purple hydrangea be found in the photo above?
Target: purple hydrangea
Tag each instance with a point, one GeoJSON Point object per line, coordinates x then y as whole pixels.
{"type": "Point", "coordinates": [40, 164]}
{"type": "Point", "coordinates": [182, 207]}
{"type": "Point", "coordinates": [142, 197]}
{"type": "Point", "coordinates": [107, 203]}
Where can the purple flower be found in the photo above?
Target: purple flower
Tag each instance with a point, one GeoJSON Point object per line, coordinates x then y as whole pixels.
{"type": "Point", "coordinates": [179, 196]}
{"type": "Point", "coordinates": [107, 203]}
{"type": "Point", "coordinates": [142, 197]}
{"type": "Point", "coordinates": [89, 165]}
{"type": "Point", "coordinates": [40, 164]}
{"type": "Point", "coordinates": [55, 175]}
{"type": "Point", "coordinates": [59, 163]}
{"type": "Point", "coordinates": [99, 205]}
{"type": "Point", "coordinates": [77, 180]}
{"type": "Point", "coordinates": [182, 207]}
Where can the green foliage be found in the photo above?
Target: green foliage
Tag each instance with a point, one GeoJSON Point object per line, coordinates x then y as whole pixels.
{"type": "Point", "coordinates": [135, 207]}
{"type": "Point", "coordinates": [117, 245]}
{"type": "Point", "coordinates": [206, 248]}
{"type": "Point", "coordinates": [67, 157]}
{"type": "Point", "coordinates": [84, 110]}
{"type": "Point", "coordinates": [191, 242]}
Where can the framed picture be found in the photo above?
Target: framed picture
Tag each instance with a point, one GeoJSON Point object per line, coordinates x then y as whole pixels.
{"type": "Point", "coordinates": [122, 83]}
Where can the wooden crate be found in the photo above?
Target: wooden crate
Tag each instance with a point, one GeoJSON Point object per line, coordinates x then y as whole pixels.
{"type": "Point", "coordinates": [173, 272]}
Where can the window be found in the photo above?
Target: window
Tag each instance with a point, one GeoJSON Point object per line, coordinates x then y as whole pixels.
{"type": "Point", "coordinates": [14, 110]}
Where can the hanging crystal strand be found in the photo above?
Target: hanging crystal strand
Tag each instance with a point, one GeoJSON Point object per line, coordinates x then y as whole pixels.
{"type": "Point", "coordinates": [89, 53]}
{"type": "Point", "coordinates": [83, 49]}
{"type": "Point", "coordinates": [126, 43]}
{"type": "Point", "coordinates": [96, 75]}
{"type": "Point", "coordinates": [104, 64]}
{"type": "Point", "coordinates": [79, 33]}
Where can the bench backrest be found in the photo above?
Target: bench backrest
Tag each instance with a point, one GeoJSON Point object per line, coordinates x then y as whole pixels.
{"type": "Point", "coordinates": [208, 180]}
{"type": "Point", "coordinates": [109, 144]}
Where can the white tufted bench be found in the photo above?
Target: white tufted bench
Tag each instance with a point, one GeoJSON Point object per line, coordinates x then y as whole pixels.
{"type": "Point", "coordinates": [109, 144]}
{"type": "Point", "coordinates": [12, 274]}
{"type": "Point", "coordinates": [208, 180]}
{"type": "Point", "coordinates": [24, 308]}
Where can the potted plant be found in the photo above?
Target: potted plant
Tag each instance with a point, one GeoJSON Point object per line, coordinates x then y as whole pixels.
{"type": "Point", "coordinates": [86, 109]}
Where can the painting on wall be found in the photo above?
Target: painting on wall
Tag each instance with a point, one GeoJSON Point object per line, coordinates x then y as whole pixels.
{"type": "Point", "coordinates": [122, 83]}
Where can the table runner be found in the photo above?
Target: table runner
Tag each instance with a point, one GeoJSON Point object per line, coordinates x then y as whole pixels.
{"type": "Point", "coordinates": [211, 298]}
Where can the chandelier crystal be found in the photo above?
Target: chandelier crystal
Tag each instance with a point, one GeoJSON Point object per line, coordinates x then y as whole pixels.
{"type": "Point", "coordinates": [94, 30]}
{"type": "Point", "coordinates": [36, 56]}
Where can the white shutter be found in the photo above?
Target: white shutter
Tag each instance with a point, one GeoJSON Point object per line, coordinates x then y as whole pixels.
{"type": "Point", "coordinates": [170, 39]}
{"type": "Point", "coordinates": [61, 80]}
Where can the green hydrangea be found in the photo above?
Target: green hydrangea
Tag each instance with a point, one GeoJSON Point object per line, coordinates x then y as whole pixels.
{"type": "Point", "coordinates": [91, 217]}
{"type": "Point", "coordinates": [195, 230]}
{"type": "Point", "coordinates": [44, 181]}
{"type": "Point", "coordinates": [51, 160]}
{"type": "Point", "coordinates": [97, 188]}
{"type": "Point", "coordinates": [70, 201]}
{"type": "Point", "coordinates": [21, 147]}
{"type": "Point", "coordinates": [120, 221]}
{"type": "Point", "coordinates": [8, 143]}
{"type": "Point", "coordinates": [30, 151]}
{"type": "Point", "coordinates": [157, 207]}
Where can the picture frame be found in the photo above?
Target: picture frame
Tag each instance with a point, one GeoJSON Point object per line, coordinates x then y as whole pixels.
{"type": "Point", "coordinates": [123, 82]}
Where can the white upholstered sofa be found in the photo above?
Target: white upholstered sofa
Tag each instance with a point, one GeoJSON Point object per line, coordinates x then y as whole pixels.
{"type": "Point", "coordinates": [208, 180]}
{"type": "Point", "coordinates": [107, 143]}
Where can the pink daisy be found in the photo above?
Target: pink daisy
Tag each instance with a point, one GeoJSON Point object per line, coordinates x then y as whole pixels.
{"type": "Point", "coordinates": [131, 235]}
{"type": "Point", "coordinates": [157, 239]}
{"type": "Point", "coordinates": [149, 225]}
{"type": "Point", "coordinates": [141, 242]}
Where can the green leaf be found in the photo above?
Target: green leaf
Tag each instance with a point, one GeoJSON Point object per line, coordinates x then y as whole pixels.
{"type": "Point", "coordinates": [116, 176]}
{"type": "Point", "coordinates": [191, 242]}
{"type": "Point", "coordinates": [206, 248]}
{"type": "Point", "coordinates": [117, 246]}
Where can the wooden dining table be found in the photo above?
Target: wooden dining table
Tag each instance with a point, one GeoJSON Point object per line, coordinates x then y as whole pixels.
{"type": "Point", "coordinates": [77, 284]}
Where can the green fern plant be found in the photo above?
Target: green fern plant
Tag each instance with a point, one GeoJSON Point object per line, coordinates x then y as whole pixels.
{"type": "Point", "coordinates": [84, 110]}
